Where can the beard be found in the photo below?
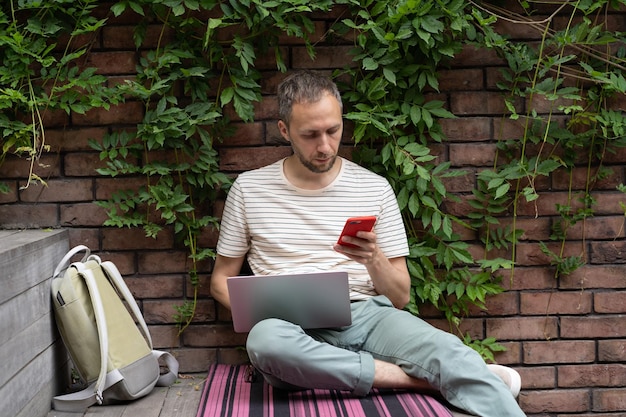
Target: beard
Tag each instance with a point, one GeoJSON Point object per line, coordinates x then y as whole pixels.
{"type": "Point", "coordinates": [317, 169]}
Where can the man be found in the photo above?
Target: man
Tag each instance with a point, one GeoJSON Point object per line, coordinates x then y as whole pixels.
{"type": "Point", "coordinates": [285, 218]}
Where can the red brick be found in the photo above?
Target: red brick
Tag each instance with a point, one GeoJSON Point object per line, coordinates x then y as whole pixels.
{"type": "Point", "coordinates": [11, 195]}
{"type": "Point", "coordinates": [541, 104]}
{"type": "Point", "coordinates": [505, 304]}
{"type": "Point", "coordinates": [511, 356]}
{"type": "Point", "coordinates": [458, 208]}
{"type": "Point", "coordinates": [616, 101]}
{"type": "Point", "coordinates": [164, 311]}
{"type": "Point", "coordinates": [608, 252]}
{"type": "Point", "coordinates": [552, 401]}
{"type": "Point", "coordinates": [532, 229]}
{"type": "Point", "coordinates": [155, 262]}
{"type": "Point", "coordinates": [326, 57]}
{"type": "Point", "coordinates": [593, 327]}
{"type": "Point", "coordinates": [538, 377]}
{"type": "Point", "coordinates": [579, 177]}
{"type": "Point", "coordinates": [112, 63]}
{"type": "Point", "coordinates": [195, 360]}
{"type": "Point", "coordinates": [28, 216]}
{"type": "Point", "coordinates": [477, 103]}
{"type": "Point", "coordinates": [467, 129]}
{"type": "Point", "coordinates": [596, 276]}
{"type": "Point", "coordinates": [126, 113]}
{"type": "Point", "coordinates": [607, 375]}
{"type": "Point", "coordinates": [89, 237]}
{"type": "Point", "coordinates": [460, 79]}
{"type": "Point", "coordinates": [505, 129]}
{"type": "Point", "coordinates": [233, 356]}
{"type": "Point", "coordinates": [608, 203]}
{"type": "Point", "coordinates": [121, 37]}
{"type": "Point", "coordinates": [75, 42]}
{"type": "Point", "coordinates": [82, 164]}
{"type": "Point", "coordinates": [208, 236]}
{"type": "Point", "coordinates": [246, 134]}
{"type": "Point", "coordinates": [559, 351]}
{"type": "Point", "coordinates": [245, 159]}
{"type": "Point", "coordinates": [612, 350]}
{"type": "Point", "coordinates": [616, 157]}
{"type": "Point", "coordinates": [135, 238]}
{"type": "Point", "coordinates": [466, 154]}
{"type": "Point", "coordinates": [471, 326]}
{"type": "Point", "coordinates": [524, 328]}
{"type": "Point", "coordinates": [605, 227]}
{"type": "Point", "coordinates": [573, 302]}
{"type": "Point", "coordinates": [267, 108]}
{"type": "Point", "coordinates": [471, 56]}
{"type": "Point", "coordinates": [610, 302]}
{"type": "Point", "coordinates": [106, 187]}
{"type": "Point", "coordinates": [545, 205]}
{"type": "Point", "coordinates": [164, 336]}
{"type": "Point", "coordinates": [478, 251]}
{"type": "Point", "coordinates": [532, 278]}
{"type": "Point", "coordinates": [87, 214]}
{"type": "Point", "coordinates": [58, 190]}
{"type": "Point", "coordinates": [223, 314]}
{"type": "Point", "coordinates": [54, 118]}
{"type": "Point", "coordinates": [464, 232]}
{"type": "Point", "coordinates": [70, 140]}
{"type": "Point", "coordinates": [493, 76]}
{"type": "Point", "coordinates": [532, 255]}
{"type": "Point", "coordinates": [213, 335]}
{"type": "Point", "coordinates": [203, 287]}
{"type": "Point", "coordinates": [461, 183]}
{"type": "Point", "coordinates": [609, 399]}
{"type": "Point", "coordinates": [124, 261]}
{"type": "Point", "coordinates": [156, 286]}
{"type": "Point", "coordinates": [13, 167]}
{"type": "Point", "coordinates": [520, 30]}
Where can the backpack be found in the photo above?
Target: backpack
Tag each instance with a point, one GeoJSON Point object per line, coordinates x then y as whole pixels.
{"type": "Point", "coordinates": [109, 351]}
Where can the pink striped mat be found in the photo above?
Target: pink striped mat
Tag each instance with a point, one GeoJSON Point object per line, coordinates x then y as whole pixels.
{"type": "Point", "coordinates": [227, 394]}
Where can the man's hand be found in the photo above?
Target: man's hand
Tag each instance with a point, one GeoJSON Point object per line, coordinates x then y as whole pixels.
{"type": "Point", "coordinates": [390, 276]}
{"type": "Point", "coordinates": [365, 249]}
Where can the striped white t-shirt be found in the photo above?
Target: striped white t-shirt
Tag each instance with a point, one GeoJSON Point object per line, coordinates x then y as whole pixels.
{"type": "Point", "coordinates": [285, 229]}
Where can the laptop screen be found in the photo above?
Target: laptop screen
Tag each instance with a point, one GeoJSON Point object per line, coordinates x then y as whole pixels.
{"type": "Point", "coordinates": [311, 300]}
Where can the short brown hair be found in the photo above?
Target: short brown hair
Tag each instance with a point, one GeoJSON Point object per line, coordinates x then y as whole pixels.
{"type": "Point", "coordinates": [303, 87]}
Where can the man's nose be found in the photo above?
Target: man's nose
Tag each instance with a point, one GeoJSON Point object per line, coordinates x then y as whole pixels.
{"type": "Point", "coordinates": [324, 145]}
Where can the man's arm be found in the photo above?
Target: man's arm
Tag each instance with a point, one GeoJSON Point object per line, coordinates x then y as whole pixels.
{"type": "Point", "coordinates": [390, 276]}
{"type": "Point", "coordinates": [224, 267]}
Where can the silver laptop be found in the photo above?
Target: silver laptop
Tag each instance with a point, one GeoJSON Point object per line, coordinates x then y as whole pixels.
{"type": "Point", "coordinates": [311, 300]}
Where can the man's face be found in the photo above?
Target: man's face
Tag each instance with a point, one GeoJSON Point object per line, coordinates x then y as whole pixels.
{"type": "Point", "coordinates": [315, 131]}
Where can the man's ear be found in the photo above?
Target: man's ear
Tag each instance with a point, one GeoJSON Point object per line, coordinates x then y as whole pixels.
{"type": "Point", "coordinates": [283, 129]}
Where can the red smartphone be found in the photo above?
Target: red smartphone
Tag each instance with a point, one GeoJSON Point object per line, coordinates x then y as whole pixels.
{"type": "Point", "coordinates": [356, 224]}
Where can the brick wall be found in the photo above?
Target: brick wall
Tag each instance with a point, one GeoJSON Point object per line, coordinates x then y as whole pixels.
{"type": "Point", "coordinates": [566, 336]}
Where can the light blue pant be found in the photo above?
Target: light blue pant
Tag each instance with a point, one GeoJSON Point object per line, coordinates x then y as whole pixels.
{"type": "Point", "coordinates": [343, 358]}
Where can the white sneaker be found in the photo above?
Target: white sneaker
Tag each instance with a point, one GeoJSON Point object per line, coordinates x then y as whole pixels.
{"type": "Point", "coordinates": [510, 377]}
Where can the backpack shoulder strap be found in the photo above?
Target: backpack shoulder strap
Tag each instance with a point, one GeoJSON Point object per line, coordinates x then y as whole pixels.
{"type": "Point", "coordinates": [167, 379]}
{"type": "Point", "coordinates": [103, 337]}
{"type": "Point", "coordinates": [171, 363]}
{"type": "Point", "coordinates": [79, 401]}
{"type": "Point", "coordinates": [118, 282]}
{"type": "Point", "coordinates": [68, 256]}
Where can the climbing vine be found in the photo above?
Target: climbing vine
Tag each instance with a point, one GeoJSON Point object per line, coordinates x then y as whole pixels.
{"type": "Point", "coordinates": [202, 76]}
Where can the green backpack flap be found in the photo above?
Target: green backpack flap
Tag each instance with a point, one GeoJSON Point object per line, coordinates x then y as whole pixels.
{"type": "Point", "coordinates": [110, 352]}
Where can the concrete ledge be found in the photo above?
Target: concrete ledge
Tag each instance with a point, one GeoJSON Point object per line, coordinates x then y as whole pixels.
{"type": "Point", "coordinates": [33, 365]}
